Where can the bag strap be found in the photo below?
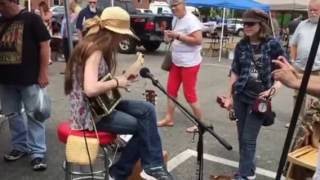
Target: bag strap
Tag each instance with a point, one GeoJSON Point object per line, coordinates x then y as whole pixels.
{"type": "Point", "coordinates": [95, 129]}
{"type": "Point", "coordinates": [170, 43]}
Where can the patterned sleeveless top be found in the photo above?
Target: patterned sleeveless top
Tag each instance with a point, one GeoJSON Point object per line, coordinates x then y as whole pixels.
{"type": "Point", "coordinates": [80, 112]}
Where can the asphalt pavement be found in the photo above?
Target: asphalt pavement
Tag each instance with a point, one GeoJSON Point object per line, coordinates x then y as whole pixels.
{"type": "Point", "coordinates": [180, 145]}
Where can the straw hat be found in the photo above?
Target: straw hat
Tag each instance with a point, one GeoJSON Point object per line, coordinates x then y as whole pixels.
{"type": "Point", "coordinates": [114, 19]}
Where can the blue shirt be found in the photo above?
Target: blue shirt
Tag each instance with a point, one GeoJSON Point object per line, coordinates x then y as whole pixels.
{"type": "Point", "coordinates": [84, 15]}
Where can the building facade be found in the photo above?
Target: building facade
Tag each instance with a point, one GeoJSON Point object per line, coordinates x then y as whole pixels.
{"type": "Point", "coordinates": [34, 3]}
{"type": "Point", "coordinates": [143, 4]}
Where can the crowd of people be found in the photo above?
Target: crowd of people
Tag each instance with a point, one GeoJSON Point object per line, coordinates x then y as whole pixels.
{"type": "Point", "coordinates": [259, 67]}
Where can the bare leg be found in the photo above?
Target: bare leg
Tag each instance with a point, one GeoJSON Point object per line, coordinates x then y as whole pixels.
{"type": "Point", "coordinates": [50, 58]}
{"type": "Point", "coordinates": [168, 119]}
{"type": "Point", "coordinates": [197, 113]}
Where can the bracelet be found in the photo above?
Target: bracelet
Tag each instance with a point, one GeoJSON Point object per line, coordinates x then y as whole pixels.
{"type": "Point", "coordinates": [117, 81]}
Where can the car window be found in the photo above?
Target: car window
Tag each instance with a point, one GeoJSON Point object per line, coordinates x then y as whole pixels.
{"type": "Point", "coordinates": [147, 11]}
{"type": "Point", "coordinates": [59, 9]}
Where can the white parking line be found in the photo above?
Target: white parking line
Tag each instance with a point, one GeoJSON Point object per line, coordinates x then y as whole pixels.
{"type": "Point", "coordinates": [185, 155]}
{"type": "Point", "coordinates": [216, 65]}
{"type": "Point", "coordinates": [179, 159]}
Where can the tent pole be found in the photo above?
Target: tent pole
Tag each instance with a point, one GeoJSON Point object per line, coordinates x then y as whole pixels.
{"type": "Point", "coordinates": [271, 23]}
{"type": "Point", "coordinates": [222, 31]}
{"type": "Point", "coordinates": [70, 40]}
{"type": "Point", "coordinates": [29, 5]}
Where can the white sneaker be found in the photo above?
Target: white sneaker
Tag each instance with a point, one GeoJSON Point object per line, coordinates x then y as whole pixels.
{"type": "Point", "coordinates": [145, 176]}
{"type": "Point", "coordinates": [251, 177]}
{"type": "Point", "coordinates": [156, 174]}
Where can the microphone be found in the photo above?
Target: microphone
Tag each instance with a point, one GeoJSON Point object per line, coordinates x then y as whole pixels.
{"type": "Point", "coordinates": [145, 73]}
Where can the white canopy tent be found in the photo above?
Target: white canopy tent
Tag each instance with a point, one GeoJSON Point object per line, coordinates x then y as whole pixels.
{"type": "Point", "coordinates": [286, 5]}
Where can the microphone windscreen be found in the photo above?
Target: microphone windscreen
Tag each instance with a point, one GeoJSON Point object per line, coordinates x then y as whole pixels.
{"type": "Point", "coordinates": [144, 72]}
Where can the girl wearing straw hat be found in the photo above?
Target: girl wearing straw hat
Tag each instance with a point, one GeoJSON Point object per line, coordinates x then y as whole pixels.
{"type": "Point", "coordinates": [94, 57]}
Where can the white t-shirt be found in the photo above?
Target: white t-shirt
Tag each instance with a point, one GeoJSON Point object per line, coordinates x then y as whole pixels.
{"type": "Point", "coordinates": [303, 38]}
{"type": "Point", "coordinates": [184, 55]}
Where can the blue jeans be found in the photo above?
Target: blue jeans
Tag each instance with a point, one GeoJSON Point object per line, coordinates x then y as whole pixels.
{"type": "Point", "coordinates": [137, 118]}
{"type": "Point", "coordinates": [27, 134]}
{"type": "Point", "coordinates": [248, 126]}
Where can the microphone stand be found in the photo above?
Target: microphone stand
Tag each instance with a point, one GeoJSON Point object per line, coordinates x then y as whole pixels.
{"type": "Point", "coordinates": [202, 128]}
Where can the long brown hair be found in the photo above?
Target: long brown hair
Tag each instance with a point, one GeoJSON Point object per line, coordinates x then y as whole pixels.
{"type": "Point", "coordinates": [265, 30]}
{"type": "Point", "coordinates": [44, 5]}
{"type": "Point", "coordinates": [104, 41]}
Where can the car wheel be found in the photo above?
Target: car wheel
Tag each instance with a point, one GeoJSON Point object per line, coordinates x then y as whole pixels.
{"type": "Point", "coordinates": [151, 46]}
{"type": "Point", "coordinates": [127, 46]}
{"type": "Point", "coordinates": [240, 33]}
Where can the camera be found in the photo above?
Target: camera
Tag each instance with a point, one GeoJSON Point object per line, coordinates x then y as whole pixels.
{"type": "Point", "coordinates": [232, 115]}
{"type": "Point", "coordinates": [261, 106]}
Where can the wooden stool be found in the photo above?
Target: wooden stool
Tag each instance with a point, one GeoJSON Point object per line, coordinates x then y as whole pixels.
{"type": "Point", "coordinates": [303, 161]}
{"type": "Point", "coordinates": [304, 157]}
{"type": "Point", "coordinates": [137, 168]}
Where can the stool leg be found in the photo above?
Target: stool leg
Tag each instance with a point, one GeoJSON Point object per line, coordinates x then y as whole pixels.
{"type": "Point", "coordinates": [67, 170]}
{"type": "Point", "coordinates": [106, 163]}
{"type": "Point", "coordinates": [288, 175]}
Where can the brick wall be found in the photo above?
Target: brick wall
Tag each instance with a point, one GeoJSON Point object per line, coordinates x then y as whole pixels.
{"type": "Point", "coordinates": [144, 4]}
{"type": "Point", "coordinates": [35, 3]}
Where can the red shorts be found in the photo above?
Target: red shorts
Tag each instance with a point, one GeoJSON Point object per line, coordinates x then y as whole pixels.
{"type": "Point", "coordinates": [188, 77]}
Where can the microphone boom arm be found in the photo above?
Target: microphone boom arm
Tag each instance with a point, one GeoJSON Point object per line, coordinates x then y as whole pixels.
{"type": "Point", "coordinates": [202, 128]}
{"type": "Point", "coordinates": [193, 118]}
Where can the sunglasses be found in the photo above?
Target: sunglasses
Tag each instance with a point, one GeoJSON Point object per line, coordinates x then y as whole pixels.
{"type": "Point", "coordinates": [249, 24]}
{"type": "Point", "coordinates": [92, 2]}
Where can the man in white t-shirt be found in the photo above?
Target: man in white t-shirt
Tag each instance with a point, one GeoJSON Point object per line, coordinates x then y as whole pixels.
{"type": "Point", "coordinates": [186, 40]}
{"type": "Point", "coordinates": [300, 46]}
